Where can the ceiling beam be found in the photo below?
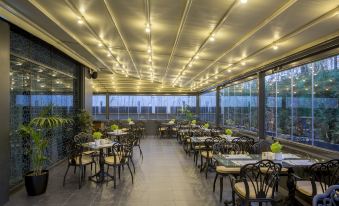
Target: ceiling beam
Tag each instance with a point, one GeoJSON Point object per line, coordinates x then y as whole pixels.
{"type": "Point", "coordinates": [67, 31]}
{"type": "Point", "coordinates": [214, 31]}
{"type": "Point", "coordinates": [329, 14]}
{"type": "Point", "coordinates": [23, 21]}
{"type": "Point", "coordinates": [282, 9]}
{"type": "Point", "coordinates": [115, 22]}
{"type": "Point", "coordinates": [177, 38]}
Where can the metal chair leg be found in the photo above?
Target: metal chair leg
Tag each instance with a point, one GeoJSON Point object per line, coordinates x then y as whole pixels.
{"type": "Point", "coordinates": [63, 184]}
{"type": "Point", "coordinates": [215, 180]}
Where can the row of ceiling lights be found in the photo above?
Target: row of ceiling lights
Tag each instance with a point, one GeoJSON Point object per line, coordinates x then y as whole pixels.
{"type": "Point", "coordinates": [190, 63]}
{"type": "Point", "coordinates": [101, 43]}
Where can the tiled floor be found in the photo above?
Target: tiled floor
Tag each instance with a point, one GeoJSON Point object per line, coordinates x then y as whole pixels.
{"type": "Point", "coordinates": [166, 177]}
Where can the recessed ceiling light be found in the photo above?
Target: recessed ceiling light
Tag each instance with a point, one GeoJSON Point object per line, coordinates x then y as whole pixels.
{"type": "Point", "coordinates": [99, 44]}
{"type": "Point", "coordinates": [148, 28]}
{"type": "Point", "coordinates": [243, 63]}
{"type": "Point", "coordinates": [196, 57]}
{"type": "Point", "coordinates": [212, 38]}
{"type": "Point", "coordinates": [109, 54]}
{"type": "Point", "coordinates": [275, 47]}
{"type": "Point", "coordinates": [80, 21]}
{"type": "Point", "coordinates": [190, 65]}
{"type": "Point", "coordinates": [229, 70]}
{"type": "Point", "coordinates": [149, 50]}
{"type": "Point", "coordinates": [243, 1]}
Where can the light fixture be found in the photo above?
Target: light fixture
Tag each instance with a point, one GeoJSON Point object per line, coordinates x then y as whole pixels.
{"type": "Point", "coordinates": [212, 38]}
{"type": "Point", "coordinates": [229, 71]}
{"type": "Point", "coordinates": [190, 65]}
{"type": "Point", "coordinates": [243, 63]}
{"type": "Point", "coordinates": [149, 50]}
{"type": "Point", "coordinates": [243, 1]}
{"type": "Point", "coordinates": [275, 47]}
{"type": "Point", "coordinates": [80, 21]}
{"type": "Point", "coordinates": [196, 57]}
{"type": "Point", "coordinates": [99, 44]}
{"type": "Point", "coordinates": [149, 59]}
{"type": "Point", "coordinates": [109, 54]}
{"type": "Point", "coordinates": [148, 28]}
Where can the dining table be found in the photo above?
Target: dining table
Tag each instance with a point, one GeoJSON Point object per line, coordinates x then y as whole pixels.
{"type": "Point", "coordinates": [99, 177]}
{"type": "Point", "coordinates": [118, 134]}
{"type": "Point", "coordinates": [290, 161]}
{"type": "Point", "coordinates": [169, 128]}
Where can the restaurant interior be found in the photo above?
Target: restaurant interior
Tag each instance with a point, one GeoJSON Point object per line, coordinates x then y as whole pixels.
{"type": "Point", "coordinates": [169, 102]}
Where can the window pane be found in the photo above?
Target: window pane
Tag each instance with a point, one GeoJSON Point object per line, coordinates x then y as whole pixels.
{"type": "Point", "coordinates": [293, 112]}
{"type": "Point", "coordinates": [207, 107]}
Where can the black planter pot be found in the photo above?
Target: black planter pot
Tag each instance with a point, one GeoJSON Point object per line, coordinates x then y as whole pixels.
{"type": "Point", "coordinates": [36, 185]}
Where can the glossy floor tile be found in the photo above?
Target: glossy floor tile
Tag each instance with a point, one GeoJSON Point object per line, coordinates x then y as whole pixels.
{"type": "Point", "coordinates": [165, 177]}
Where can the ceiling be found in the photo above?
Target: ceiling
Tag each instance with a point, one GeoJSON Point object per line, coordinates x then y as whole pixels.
{"type": "Point", "coordinates": [189, 45]}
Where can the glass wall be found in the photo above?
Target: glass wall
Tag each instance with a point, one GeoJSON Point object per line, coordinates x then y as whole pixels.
{"type": "Point", "coordinates": [207, 107]}
{"type": "Point", "coordinates": [142, 107]}
{"type": "Point", "coordinates": [40, 77]}
{"type": "Point", "coordinates": [239, 105]}
{"type": "Point", "coordinates": [99, 107]}
{"type": "Point", "coordinates": [302, 104]}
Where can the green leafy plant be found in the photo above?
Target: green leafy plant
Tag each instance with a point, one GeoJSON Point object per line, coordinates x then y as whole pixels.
{"type": "Point", "coordinates": [83, 122]}
{"type": "Point", "coordinates": [129, 120]}
{"type": "Point", "coordinates": [194, 122]}
{"type": "Point", "coordinates": [35, 131]}
{"type": "Point", "coordinates": [276, 147]}
{"type": "Point", "coordinates": [228, 132]}
{"type": "Point", "coordinates": [206, 126]}
{"type": "Point", "coordinates": [97, 135]}
{"type": "Point", "coordinates": [114, 127]}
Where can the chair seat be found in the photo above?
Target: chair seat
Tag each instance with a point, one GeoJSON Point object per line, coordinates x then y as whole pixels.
{"type": "Point", "coordinates": [89, 152]}
{"type": "Point", "coordinates": [239, 187]}
{"type": "Point", "coordinates": [199, 147]}
{"type": "Point", "coordinates": [110, 160]}
{"type": "Point", "coordinates": [265, 169]}
{"type": "Point", "coordinates": [188, 140]}
{"type": "Point", "coordinates": [305, 187]}
{"type": "Point", "coordinates": [206, 154]}
{"type": "Point", "coordinates": [84, 160]}
{"type": "Point", "coordinates": [162, 129]}
{"type": "Point", "coordinates": [228, 170]}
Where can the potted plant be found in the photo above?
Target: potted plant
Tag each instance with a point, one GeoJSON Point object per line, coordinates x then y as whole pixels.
{"type": "Point", "coordinates": [97, 137]}
{"type": "Point", "coordinates": [129, 120]}
{"type": "Point", "coordinates": [83, 122]}
{"type": "Point", "coordinates": [206, 126]}
{"type": "Point", "coordinates": [276, 149]}
{"type": "Point", "coordinates": [172, 121]}
{"type": "Point", "coordinates": [194, 122]}
{"type": "Point", "coordinates": [114, 127]}
{"type": "Point", "coordinates": [228, 132]}
{"type": "Point", "coordinates": [36, 131]}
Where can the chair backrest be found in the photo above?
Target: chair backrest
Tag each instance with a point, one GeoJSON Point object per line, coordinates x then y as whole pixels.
{"type": "Point", "coordinates": [82, 137]}
{"type": "Point", "coordinates": [329, 198]}
{"type": "Point", "coordinates": [225, 147]}
{"type": "Point", "coordinates": [120, 152]}
{"type": "Point", "coordinates": [261, 146]}
{"type": "Point", "coordinates": [74, 151]}
{"type": "Point", "coordinates": [245, 143]}
{"type": "Point", "coordinates": [262, 176]}
{"type": "Point", "coordinates": [326, 173]}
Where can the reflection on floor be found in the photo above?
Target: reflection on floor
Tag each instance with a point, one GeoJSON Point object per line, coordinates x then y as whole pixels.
{"type": "Point", "coordinates": [166, 177]}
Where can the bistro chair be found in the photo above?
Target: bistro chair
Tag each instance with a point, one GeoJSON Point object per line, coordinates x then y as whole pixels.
{"type": "Point", "coordinates": [207, 153]}
{"type": "Point", "coordinates": [82, 138]}
{"type": "Point", "coordinates": [77, 159]}
{"type": "Point", "coordinates": [245, 143]}
{"type": "Point", "coordinates": [256, 183]}
{"type": "Point", "coordinates": [322, 176]}
{"type": "Point", "coordinates": [221, 148]}
{"type": "Point", "coordinates": [261, 146]}
{"type": "Point", "coordinates": [118, 157]}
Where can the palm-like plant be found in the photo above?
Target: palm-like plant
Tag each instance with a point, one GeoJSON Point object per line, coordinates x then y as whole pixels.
{"type": "Point", "coordinates": [39, 142]}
